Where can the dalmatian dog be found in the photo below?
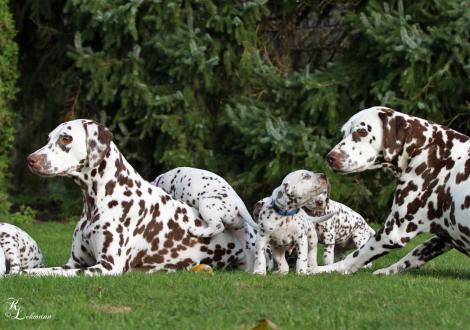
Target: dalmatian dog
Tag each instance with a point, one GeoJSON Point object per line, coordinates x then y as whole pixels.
{"type": "Point", "coordinates": [345, 230]}
{"type": "Point", "coordinates": [218, 204]}
{"type": "Point", "coordinates": [283, 224]}
{"type": "Point", "coordinates": [127, 223]}
{"type": "Point", "coordinates": [18, 250]}
{"type": "Point", "coordinates": [432, 163]}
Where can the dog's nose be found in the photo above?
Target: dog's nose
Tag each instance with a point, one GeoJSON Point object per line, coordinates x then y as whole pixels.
{"type": "Point", "coordinates": [32, 160]}
{"type": "Point", "coordinates": [334, 159]}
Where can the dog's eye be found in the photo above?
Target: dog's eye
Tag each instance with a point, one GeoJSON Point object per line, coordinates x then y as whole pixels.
{"type": "Point", "coordinates": [358, 134]}
{"type": "Point", "coordinates": [65, 139]}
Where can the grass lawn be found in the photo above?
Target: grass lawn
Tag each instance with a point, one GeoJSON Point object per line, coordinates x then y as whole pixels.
{"type": "Point", "coordinates": [437, 296]}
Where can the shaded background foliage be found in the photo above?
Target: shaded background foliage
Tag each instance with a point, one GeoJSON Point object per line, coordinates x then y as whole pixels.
{"type": "Point", "coordinates": [8, 76]}
{"type": "Point", "coordinates": [249, 89]}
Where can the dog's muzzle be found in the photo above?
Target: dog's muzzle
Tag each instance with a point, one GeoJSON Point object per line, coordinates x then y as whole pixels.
{"type": "Point", "coordinates": [36, 162]}
{"type": "Point", "coordinates": [335, 159]}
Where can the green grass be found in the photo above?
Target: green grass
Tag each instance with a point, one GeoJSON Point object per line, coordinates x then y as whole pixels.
{"type": "Point", "coordinates": [436, 296]}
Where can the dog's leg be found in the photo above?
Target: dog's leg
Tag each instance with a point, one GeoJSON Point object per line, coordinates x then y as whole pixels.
{"type": "Point", "coordinates": [360, 238]}
{"type": "Point", "coordinates": [386, 239]}
{"type": "Point", "coordinates": [312, 247]}
{"type": "Point", "coordinates": [279, 255]}
{"type": "Point", "coordinates": [328, 254]}
{"type": "Point", "coordinates": [430, 249]}
{"type": "Point", "coordinates": [302, 255]}
{"type": "Point", "coordinates": [260, 256]}
{"type": "Point", "coordinates": [12, 256]}
{"type": "Point", "coordinates": [212, 212]}
{"type": "Point", "coordinates": [243, 237]}
{"type": "Point", "coordinates": [103, 268]}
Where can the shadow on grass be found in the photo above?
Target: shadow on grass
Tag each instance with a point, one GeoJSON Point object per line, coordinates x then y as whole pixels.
{"type": "Point", "coordinates": [442, 273]}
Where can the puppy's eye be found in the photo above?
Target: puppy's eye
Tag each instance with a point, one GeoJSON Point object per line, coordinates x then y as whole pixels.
{"type": "Point", "coordinates": [65, 139]}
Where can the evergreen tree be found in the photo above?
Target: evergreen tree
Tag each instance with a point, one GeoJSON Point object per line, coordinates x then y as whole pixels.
{"type": "Point", "coordinates": [8, 77]}
{"type": "Point", "coordinates": [214, 84]}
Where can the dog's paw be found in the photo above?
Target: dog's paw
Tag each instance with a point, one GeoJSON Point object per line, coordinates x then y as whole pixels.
{"type": "Point", "coordinates": [281, 272]}
{"type": "Point", "coordinates": [320, 270]}
{"type": "Point", "coordinates": [368, 266]}
{"type": "Point", "coordinates": [260, 273]}
{"type": "Point", "coordinates": [385, 271]}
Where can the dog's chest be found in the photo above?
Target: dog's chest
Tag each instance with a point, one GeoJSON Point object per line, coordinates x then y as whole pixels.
{"type": "Point", "coordinates": [285, 230]}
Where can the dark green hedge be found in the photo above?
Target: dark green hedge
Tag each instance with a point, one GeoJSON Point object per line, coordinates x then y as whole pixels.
{"type": "Point", "coordinates": [198, 82]}
{"type": "Point", "coordinates": [8, 77]}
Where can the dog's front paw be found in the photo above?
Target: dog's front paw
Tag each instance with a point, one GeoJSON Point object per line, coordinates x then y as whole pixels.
{"type": "Point", "coordinates": [368, 266]}
{"type": "Point", "coordinates": [281, 272]}
{"type": "Point", "coordinates": [259, 272]}
{"type": "Point", "coordinates": [321, 270]}
{"type": "Point", "coordinates": [386, 271]}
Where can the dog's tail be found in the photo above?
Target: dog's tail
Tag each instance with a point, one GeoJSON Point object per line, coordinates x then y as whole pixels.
{"type": "Point", "coordinates": [321, 218]}
{"type": "Point", "coordinates": [246, 216]}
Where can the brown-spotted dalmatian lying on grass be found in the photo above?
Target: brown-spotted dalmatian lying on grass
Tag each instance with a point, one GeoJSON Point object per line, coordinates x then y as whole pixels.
{"type": "Point", "coordinates": [344, 231]}
{"type": "Point", "coordinates": [217, 202]}
{"type": "Point", "coordinates": [18, 251]}
{"type": "Point", "coordinates": [283, 224]}
{"type": "Point", "coordinates": [127, 223]}
{"type": "Point", "coordinates": [433, 192]}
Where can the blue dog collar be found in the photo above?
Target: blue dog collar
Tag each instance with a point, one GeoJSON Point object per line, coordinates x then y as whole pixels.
{"type": "Point", "coordinates": [282, 212]}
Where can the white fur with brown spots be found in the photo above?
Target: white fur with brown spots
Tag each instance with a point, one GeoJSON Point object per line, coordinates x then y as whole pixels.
{"type": "Point", "coordinates": [217, 202]}
{"type": "Point", "coordinates": [283, 224]}
{"type": "Point", "coordinates": [344, 231]}
{"type": "Point", "coordinates": [127, 223]}
{"type": "Point", "coordinates": [18, 251]}
{"type": "Point", "coordinates": [432, 163]}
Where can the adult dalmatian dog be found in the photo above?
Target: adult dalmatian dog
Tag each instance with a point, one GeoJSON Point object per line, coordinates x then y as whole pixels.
{"type": "Point", "coordinates": [217, 202]}
{"type": "Point", "coordinates": [283, 224]}
{"type": "Point", "coordinates": [432, 163]}
{"type": "Point", "coordinates": [18, 251]}
{"type": "Point", "coordinates": [344, 231]}
{"type": "Point", "coordinates": [127, 223]}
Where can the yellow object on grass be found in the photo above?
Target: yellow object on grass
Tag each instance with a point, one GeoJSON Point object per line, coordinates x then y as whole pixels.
{"type": "Point", "coordinates": [201, 268]}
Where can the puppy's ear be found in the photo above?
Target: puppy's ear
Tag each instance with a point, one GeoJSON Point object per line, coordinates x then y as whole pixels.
{"type": "Point", "coordinates": [328, 190]}
{"type": "Point", "coordinates": [98, 143]}
{"type": "Point", "coordinates": [257, 209]}
{"type": "Point", "coordinates": [394, 134]}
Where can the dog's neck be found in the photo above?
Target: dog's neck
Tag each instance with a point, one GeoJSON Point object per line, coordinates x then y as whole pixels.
{"type": "Point", "coordinates": [282, 210]}
{"type": "Point", "coordinates": [113, 173]}
{"type": "Point", "coordinates": [418, 136]}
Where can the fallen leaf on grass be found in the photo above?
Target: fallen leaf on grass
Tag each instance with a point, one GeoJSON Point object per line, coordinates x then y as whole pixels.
{"type": "Point", "coordinates": [113, 308]}
{"type": "Point", "coordinates": [265, 325]}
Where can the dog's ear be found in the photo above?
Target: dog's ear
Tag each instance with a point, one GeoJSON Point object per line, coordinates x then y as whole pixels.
{"type": "Point", "coordinates": [257, 209]}
{"type": "Point", "coordinates": [328, 190]}
{"type": "Point", "coordinates": [394, 134]}
{"type": "Point", "coordinates": [98, 143]}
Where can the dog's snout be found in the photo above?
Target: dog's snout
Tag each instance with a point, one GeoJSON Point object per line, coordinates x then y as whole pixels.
{"type": "Point", "coordinates": [33, 160]}
{"type": "Point", "coordinates": [334, 158]}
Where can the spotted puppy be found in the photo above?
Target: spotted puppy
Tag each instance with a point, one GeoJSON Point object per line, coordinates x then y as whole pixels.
{"type": "Point", "coordinates": [18, 250]}
{"type": "Point", "coordinates": [432, 163]}
{"type": "Point", "coordinates": [284, 224]}
{"type": "Point", "coordinates": [127, 223]}
{"type": "Point", "coordinates": [218, 204]}
{"type": "Point", "coordinates": [345, 230]}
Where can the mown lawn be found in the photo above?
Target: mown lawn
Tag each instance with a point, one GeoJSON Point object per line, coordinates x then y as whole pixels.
{"type": "Point", "coordinates": [436, 296]}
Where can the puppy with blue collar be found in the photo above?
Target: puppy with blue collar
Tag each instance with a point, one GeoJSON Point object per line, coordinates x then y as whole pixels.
{"type": "Point", "coordinates": [283, 224]}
